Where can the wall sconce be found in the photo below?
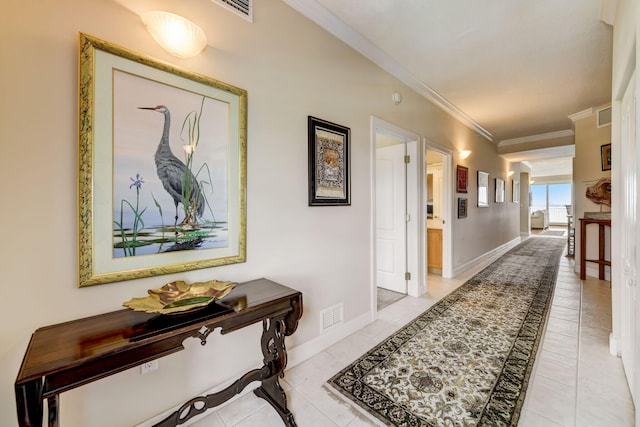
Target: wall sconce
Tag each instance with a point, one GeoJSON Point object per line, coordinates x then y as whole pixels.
{"type": "Point", "coordinates": [175, 34]}
{"type": "Point", "coordinates": [531, 182]}
{"type": "Point", "coordinates": [509, 173]}
{"type": "Point", "coordinates": [464, 154]}
{"type": "Point", "coordinates": [396, 97]}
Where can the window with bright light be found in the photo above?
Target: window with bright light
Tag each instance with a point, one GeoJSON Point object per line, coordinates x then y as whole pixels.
{"type": "Point", "coordinates": [554, 198]}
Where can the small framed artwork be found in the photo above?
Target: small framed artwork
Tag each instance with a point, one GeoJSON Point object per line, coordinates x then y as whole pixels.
{"type": "Point", "coordinates": [328, 163]}
{"type": "Point", "coordinates": [462, 207]}
{"type": "Point", "coordinates": [462, 179]}
{"type": "Point", "coordinates": [605, 157]}
{"type": "Point", "coordinates": [515, 191]}
{"type": "Point", "coordinates": [499, 190]}
{"type": "Point", "coordinates": [483, 189]}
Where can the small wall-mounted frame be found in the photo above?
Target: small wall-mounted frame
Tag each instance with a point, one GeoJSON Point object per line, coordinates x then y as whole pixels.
{"type": "Point", "coordinates": [462, 179]}
{"type": "Point", "coordinates": [515, 190]}
{"type": "Point", "coordinates": [462, 207]}
{"type": "Point", "coordinates": [328, 163]}
{"type": "Point", "coordinates": [605, 157]}
{"type": "Point", "coordinates": [499, 190]}
{"type": "Point", "coordinates": [483, 189]}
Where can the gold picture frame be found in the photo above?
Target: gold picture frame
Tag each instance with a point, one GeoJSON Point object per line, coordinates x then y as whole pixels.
{"type": "Point", "coordinates": [138, 162]}
{"type": "Point", "coordinates": [605, 157]}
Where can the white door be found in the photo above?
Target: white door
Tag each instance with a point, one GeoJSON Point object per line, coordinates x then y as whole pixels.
{"type": "Point", "coordinates": [629, 235]}
{"type": "Point", "coordinates": [391, 235]}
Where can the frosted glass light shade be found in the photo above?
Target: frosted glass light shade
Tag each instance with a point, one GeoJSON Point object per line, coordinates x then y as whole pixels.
{"type": "Point", "coordinates": [175, 34]}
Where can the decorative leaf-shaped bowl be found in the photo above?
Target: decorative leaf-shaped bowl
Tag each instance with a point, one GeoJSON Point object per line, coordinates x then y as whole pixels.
{"type": "Point", "coordinates": [178, 296]}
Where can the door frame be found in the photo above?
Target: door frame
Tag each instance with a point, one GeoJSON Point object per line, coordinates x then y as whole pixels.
{"type": "Point", "coordinates": [416, 286]}
{"type": "Point", "coordinates": [447, 205]}
{"type": "Point", "coordinates": [621, 307]}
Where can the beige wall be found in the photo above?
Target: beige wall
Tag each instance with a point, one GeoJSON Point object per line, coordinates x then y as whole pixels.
{"type": "Point", "coordinates": [587, 170]}
{"type": "Point", "coordinates": [291, 69]}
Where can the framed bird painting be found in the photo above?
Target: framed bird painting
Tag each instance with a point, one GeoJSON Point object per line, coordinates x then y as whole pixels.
{"type": "Point", "coordinates": [162, 161]}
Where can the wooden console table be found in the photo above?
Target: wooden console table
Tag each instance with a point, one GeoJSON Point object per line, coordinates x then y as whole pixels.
{"type": "Point", "coordinates": [602, 223]}
{"type": "Point", "coordinates": [68, 355]}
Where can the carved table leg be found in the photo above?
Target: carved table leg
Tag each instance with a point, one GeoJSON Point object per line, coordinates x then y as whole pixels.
{"type": "Point", "coordinates": [29, 403]}
{"type": "Point", "coordinates": [53, 410]}
{"type": "Point", "coordinates": [275, 359]}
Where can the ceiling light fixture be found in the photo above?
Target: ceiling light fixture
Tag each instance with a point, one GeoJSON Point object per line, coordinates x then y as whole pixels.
{"type": "Point", "coordinates": [175, 34]}
{"type": "Point", "coordinates": [464, 154]}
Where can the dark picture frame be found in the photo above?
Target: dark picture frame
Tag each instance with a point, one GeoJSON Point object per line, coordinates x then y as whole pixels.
{"type": "Point", "coordinates": [329, 163]}
{"type": "Point", "coordinates": [605, 157]}
{"type": "Point", "coordinates": [462, 207]}
{"type": "Point", "coordinates": [462, 179]}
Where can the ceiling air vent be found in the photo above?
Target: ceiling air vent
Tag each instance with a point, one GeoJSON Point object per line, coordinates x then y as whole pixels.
{"type": "Point", "coordinates": [243, 8]}
{"type": "Point", "coordinates": [604, 117]}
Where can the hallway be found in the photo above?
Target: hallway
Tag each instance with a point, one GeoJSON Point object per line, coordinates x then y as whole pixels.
{"type": "Point", "coordinates": [576, 382]}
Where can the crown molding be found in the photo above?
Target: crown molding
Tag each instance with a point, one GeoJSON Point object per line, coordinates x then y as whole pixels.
{"type": "Point", "coordinates": [335, 26]}
{"type": "Point", "coordinates": [539, 137]}
{"type": "Point", "coordinates": [582, 114]}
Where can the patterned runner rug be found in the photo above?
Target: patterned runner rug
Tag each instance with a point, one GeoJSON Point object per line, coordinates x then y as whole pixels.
{"type": "Point", "coordinates": [552, 233]}
{"type": "Point", "coordinates": [465, 361]}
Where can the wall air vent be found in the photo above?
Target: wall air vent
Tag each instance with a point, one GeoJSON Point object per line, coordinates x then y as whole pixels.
{"type": "Point", "coordinates": [604, 117]}
{"type": "Point", "coordinates": [243, 8]}
{"type": "Point", "coordinates": [331, 317]}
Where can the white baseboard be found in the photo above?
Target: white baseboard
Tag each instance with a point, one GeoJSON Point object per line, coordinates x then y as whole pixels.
{"type": "Point", "coordinates": [614, 346]}
{"type": "Point", "coordinates": [467, 265]}
{"type": "Point", "coordinates": [295, 356]}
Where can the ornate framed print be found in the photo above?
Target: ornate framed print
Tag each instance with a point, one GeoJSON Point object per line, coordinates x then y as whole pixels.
{"type": "Point", "coordinates": [462, 179]}
{"type": "Point", "coordinates": [328, 163]}
{"type": "Point", "coordinates": [462, 207]}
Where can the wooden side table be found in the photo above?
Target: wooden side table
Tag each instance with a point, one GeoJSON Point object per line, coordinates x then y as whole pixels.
{"type": "Point", "coordinates": [601, 261]}
{"type": "Point", "coordinates": [68, 355]}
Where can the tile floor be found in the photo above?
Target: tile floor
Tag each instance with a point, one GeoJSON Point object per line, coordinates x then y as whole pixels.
{"type": "Point", "coordinates": [575, 382]}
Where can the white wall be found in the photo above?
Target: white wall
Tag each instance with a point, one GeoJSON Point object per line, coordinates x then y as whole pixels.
{"type": "Point", "coordinates": [626, 56]}
{"type": "Point", "coordinates": [290, 68]}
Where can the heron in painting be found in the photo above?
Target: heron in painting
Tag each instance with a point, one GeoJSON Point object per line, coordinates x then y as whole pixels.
{"type": "Point", "coordinates": [176, 178]}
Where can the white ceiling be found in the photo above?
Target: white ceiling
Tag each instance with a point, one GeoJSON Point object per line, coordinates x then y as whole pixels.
{"type": "Point", "coordinates": [507, 68]}
{"type": "Point", "coordinates": [546, 162]}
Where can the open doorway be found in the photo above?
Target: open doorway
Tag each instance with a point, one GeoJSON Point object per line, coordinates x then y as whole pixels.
{"type": "Point", "coordinates": [395, 212]}
{"type": "Point", "coordinates": [438, 213]}
{"type": "Point", "coordinates": [435, 214]}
